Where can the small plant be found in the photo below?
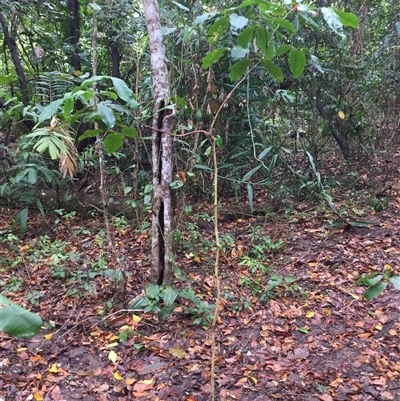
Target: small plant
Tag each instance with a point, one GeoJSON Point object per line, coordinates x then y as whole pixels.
{"type": "Point", "coordinates": [120, 223]}
{"type": "Point", "coordinates": [377, 283]}
{"type": "Point", "coordinates": [162, 300]}
{"type": "Point", "coordinates": [378, 204]}
{"type": "Point", "coordinates": [13, 284]}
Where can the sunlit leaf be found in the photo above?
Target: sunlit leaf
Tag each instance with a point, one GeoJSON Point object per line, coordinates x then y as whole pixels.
{"type": "Point", "coordinates": [395, 280]}
{"type": "Point", "coordinates": [213, 57]}
{"type": "Point", "coordinates": [112, 356]}
{"type": "Point", "coordinates": [217, 29]}
{"type": "Point", "coordinates": [178, 352]}
{"type": "Point", "coordinates": [117, 376]}
{"type": "Point", "coordinates": [239, 52]}
{"type": "Point", "coordinates": [238, 21]}
{"type": "Point", "coordinates": [347, 19]}
{"type": "Point", "coordinates": [333, 21]}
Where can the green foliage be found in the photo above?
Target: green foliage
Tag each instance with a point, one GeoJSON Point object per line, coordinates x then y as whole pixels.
{"type": "Point", "coordinates": [377, 283]}
{"type": "Point", "coordinates": [378, 204]}
{"type": "Point", "coordinates": [17, 321]}
{"type": "Point", "coordinates": [163, 301]}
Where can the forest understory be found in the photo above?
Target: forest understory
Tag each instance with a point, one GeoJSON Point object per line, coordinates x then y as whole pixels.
{"type": "Point", "coordinates": [312, 336]}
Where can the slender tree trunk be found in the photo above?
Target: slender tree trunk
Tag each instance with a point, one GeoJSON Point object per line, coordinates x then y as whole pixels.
{"type": "Point", "coordinates": [339, 138]}
{"type": "Point", "coordinates": [12, 46]}
{"type": "Point", "coordinates": [74, 33]}
{"type": "Point", "coordinates": [162, 253]}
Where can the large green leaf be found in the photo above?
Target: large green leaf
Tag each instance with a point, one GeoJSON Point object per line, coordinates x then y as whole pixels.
{"type": "Point", "coordinates": [106, 114]}
{"type": "Point", "coordinates": [239, 68]}
{"type": "Point", "coordinates": [375, 290]}
{"type": "Point", "coordinates": [50, 110]}
{"type": "Point", "coordinates": [17, 321]}
{"type": "Point", "coordinates": [113, 141]}
{"type": "Point", "coordinates": [217, 29]}
{"type": "Point", "coordinates": [274, 70]}
{"type": "Point", "coordinates": [261, 38]}
{"type": "Point", "coordinates": [333, 20]}
{"type": "Point", "coordinates": [297, 62]}
{"type": "Point", "coordinates": [347, 19]}
{"type": "Point", "coordinates": [124, 92]}
{"type": "Point", "coordinates": [213, 56]}
{"type": "Point", "coordinates": [245, 36]}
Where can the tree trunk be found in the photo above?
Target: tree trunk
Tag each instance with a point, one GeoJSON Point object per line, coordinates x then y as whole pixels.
{"type": "Point", "coordinates": [73, 6]}
{"type": "Point", "coordinates": [162, 253]}
{"type": "Point", "coordinates": [12, 46]}
{"type": "Point", "coordinates": [341, 140]}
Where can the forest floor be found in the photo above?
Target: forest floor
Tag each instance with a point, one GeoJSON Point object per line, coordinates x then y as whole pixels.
{"type": "Point", "coordinates": [293, 324]}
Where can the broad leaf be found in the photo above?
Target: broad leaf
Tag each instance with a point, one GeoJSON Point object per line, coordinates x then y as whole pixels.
{"type": "Point", "coordinates": [283, 49]}
{"type": "Point", "coordinates": [213, 57]}
{"type": "Point", "coordinates": [17, 321]}
{"type": "Point", "coordinates": [113, 141]}
{"type": "Point", "coordinates": [238, 21]}
{"type": "Point", "coordinates": [284, 23]}
{"type": "Point", "coordinates": [261, 38]}
{"type": "Point", "coordinates": [245, 37]}
{"type": "Point", "coordinates": [106, 114]}
{"type": "Point", "coordinates": [333, 20]}
{"type": "Point", "coordinates": [297, 62]}
{"type": "Point", "coordinates": [217, 29]}
{"type": "Point", "coordinates": [347, 19]}
{"type": "Point", "coordinates": [395, 280]}
{"type": "Point", "coordinates": [274, 70]}
{"type": "Point", "coordinates": [50, 110]}
{"type": "Point", "coordinates": [239, 52]}
{"type": "Point", "coordinates": [239, 68]}
{"type": "Point", "coordinates": [124, 92]}
{"type": "Point", "coordinates": [129, 132]}
{"type": "Point", "coordinates": [375, 290]}
{"type": "Point", "coordinates": [90, 133]}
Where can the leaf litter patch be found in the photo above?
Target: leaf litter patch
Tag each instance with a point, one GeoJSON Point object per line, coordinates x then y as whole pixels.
{"type": "Point", "coordinates": [313, 338]}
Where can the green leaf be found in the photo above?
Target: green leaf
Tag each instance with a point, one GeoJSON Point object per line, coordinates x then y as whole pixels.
{"type": "Point", "coordinates": [238, 21]}
{"type": "Point", "coordinates": [283, 49]}
{"type": "Point", "coordinates": [347, 19]}
{"type": "Point", "coordinates": [375, 290]}
{"type": "Point", "coordinates": [113, 141]}
{"type": "Point", "coordinates": [261, 38]}
{"type": "Point", "coordinates": [129, 132]}
{"type": "Point", "coordinates": [275, 71]}
{"type": "Point", "coordinates": [106, 114]}
{"type": "Point", "coordinates": [297, 62]}
{"type": "Point", "coordinates": [395, 280]}
{"type": "Point", "coordinates": [245, 36]}
{"type": "Point", "coordinates": [217, 29]}
{"type": "Point", "coordinates": [90, 133]}
{"type": "Point", "coordinates": [239, 68]}
{"type": "Point", "coordinates": [270, 53]}
{"type": "Point", "coordinates": [370, 281]}
{"type": "Point", "coordinates": [124, 92]}
{"type": "Point", "coordinates": [50, 110]}
{"type": "Point", "coordinates": [250, 173]}
{"type": "Point", "coordinates": [68, 106]}
{"type": "Point", "coordinates": [303, 330]}
{"type": "Point", "coordinates": [284, 23]}
{"type": "Point", "coordinates": [17, 321]}
{"type": "Point", "coordinates": [153, 291]}
{"type": "Point", "coordinates": [170, 296]}
{"type": "Point", "coordinates": [333, 20]}
{"type": "Point", "coordinates": [22, 217]}
{"type": "Point", "coordinates": [6, 79]}
{"type": "Point", "coordinates": [213, 57]}
{"type": "Point", "coordinates": [238, 52]}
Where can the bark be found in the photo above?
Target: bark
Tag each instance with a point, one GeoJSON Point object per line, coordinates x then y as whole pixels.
{"type": "Point", "coordinates": [116, 60]}
{"type": "Point", "coordinates": [162, 152]}
{"type": "Point", "coordinates": [12, 46]}
{"type": "Point", "coordinates": [74, 33]}
{"type": "Point", "coordinates": [341, 140]}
